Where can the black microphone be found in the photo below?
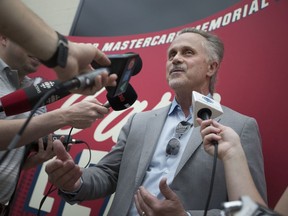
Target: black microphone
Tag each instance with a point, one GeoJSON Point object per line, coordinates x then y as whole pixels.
{"type": "Point", "coordinates": [82, 81]}
{"type": "Point", "coordinates": [125, 66]}
{"type": "Point", "coordinates": [122, 101]}
{"type": "Point", "coordinates": [204, 113]}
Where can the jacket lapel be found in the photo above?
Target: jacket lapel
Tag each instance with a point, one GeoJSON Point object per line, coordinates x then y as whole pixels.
{"type": "Point", "coordinates": [194, 142]}
{"type": "Point", "coordinates": [154, 125]}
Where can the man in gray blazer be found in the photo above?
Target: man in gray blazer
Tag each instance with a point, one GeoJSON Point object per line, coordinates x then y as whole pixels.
{"type": "Point", "coordinates": [158, 166]}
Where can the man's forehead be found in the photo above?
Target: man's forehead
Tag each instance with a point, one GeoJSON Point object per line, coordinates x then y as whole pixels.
{"type": "Point", "coordinates": [188, 39]}
{"type": "Point", "coordinates": [188, 36]}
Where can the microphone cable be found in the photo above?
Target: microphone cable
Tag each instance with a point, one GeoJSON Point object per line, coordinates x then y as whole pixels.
{"type": "Point", "coordinates": [51, 189]}
{"type": "Point", "coordinates": [205, 114]}
{"type": "Point", "coordinates": [212, 177]}
{"type": "Point", "coordinates": [17, 137]}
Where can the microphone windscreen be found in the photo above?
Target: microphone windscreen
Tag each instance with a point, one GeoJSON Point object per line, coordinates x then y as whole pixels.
{"type": "Point", "coordinates": [19, 98]}
{"type": "Point", "coordinates": [124, 100]}
{"type": "Point", "coordinates": [23, 100]}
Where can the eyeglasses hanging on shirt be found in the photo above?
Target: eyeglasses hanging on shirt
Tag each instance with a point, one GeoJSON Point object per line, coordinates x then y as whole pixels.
{"type": "Point", "coordinates": [173, 145]}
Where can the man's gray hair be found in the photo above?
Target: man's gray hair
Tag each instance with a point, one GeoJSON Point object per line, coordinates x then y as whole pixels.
{"type": "Point", "coordinates": [214, 47]}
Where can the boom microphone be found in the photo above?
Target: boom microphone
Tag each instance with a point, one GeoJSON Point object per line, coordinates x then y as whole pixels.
{"type": "Point", "coordinates": [204, 107]}
{"type": "Point", "coordinates": [122, 101]}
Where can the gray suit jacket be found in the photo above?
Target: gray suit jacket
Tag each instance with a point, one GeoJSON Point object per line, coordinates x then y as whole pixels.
{"type": "Point", "coordinates": [122, 170]}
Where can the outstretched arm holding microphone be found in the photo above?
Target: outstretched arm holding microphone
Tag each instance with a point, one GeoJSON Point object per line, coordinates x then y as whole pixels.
{"type": "Point", "coordinates": [80, 115]}
{"type": "Point", "coordinates": [237, 174]}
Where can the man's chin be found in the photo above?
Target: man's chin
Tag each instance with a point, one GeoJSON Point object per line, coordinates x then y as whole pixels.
{"type": "Point", "coordinates": [174, 84]}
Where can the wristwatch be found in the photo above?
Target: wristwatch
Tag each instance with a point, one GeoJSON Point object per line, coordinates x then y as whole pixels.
{"type": "Point", "coordinates": [60, 56]}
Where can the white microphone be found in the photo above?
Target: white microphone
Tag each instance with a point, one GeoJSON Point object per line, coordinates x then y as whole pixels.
{"type": "Point", "coordinates": [204, 107]}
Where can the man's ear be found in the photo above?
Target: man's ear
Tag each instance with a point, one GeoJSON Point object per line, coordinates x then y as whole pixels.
{"type": "Point", "coordinates": [212, 68]}
{"type": "Point", "coordinates": [3, 40]}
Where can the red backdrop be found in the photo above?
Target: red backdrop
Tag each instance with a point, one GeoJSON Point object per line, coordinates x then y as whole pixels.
{"type": "Point", "coordinates": [252, 80]}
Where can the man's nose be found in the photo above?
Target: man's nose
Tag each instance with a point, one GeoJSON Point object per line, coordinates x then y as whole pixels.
{"type": "Point", "coordinates": [177, 58]}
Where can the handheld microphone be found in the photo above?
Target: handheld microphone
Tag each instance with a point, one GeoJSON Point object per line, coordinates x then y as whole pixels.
{"type": "Point", "coordinates": [67, 139]}
{"type": "Point", "coordinates": [122, 101]}
{"type": "Point", "coordinates": [24, 99]}
{"type": "Point", "coordinates": [125, 66]}
{"type": "Point", "coordinates": [82, 81]}
{"type": "Point", "coordinates": [204, 107]}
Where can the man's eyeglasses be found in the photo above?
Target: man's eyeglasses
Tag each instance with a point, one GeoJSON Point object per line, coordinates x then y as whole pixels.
{"type": "Point", "coordinates": [173, 145]}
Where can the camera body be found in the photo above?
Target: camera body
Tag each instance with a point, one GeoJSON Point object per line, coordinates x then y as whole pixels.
{"type": "Point", "coordinates": [125, 66]}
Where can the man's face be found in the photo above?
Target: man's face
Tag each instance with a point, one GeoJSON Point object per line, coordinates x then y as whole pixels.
{"type": "Point", "coordinates": [187, 67]}
{"type": "Point", "coordinates": [18, 59]}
